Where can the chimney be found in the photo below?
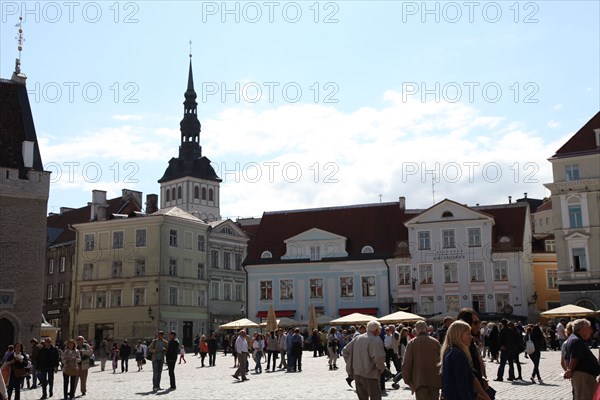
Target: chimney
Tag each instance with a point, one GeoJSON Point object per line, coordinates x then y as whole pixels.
{"type": "Point", "coordinates": [509, 199]}
{"type": "Point", "coordinates": [151, 203]}
{"type": "Point", "coordinates": [402, 203]}
{"type": "Point", "coordinates": [525, 194]}
{"type": "Point", "coordinates": [98, 205]}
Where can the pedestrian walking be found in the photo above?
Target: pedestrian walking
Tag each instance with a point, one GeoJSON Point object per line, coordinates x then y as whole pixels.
{"type": "Point", "coordinates": [18, 361]}
{"type": "Point", "coordinates": [332, 349]}
{"type": "Point", "coordinates": [46, 365]}
{"type": "Point", "coordinates": [114, 357]}
{"type": "Point", "coordinates": [507, 348]}
{"type": "Point", "coordinates": [297, 343]}
{"type": "Point", "coordinates": [140, 354]}
{"type": "Point", "coordinates": [203, 349]}
{"type": "Point", "coordinates": [33, 354]}
{"type": "Point", "coordinates": [241, 348]}
{"type": "Point", "coordinates": [259, 346]}
{"type": "Point", "coordinates": [124, 353]}
{"type": "Point", "coordinates": [103, 353]}
{"type": "Point", "coordinates": [365, 362]}
{"type": "Point", "coordinates": [71, 358]}
{"type": "Point", "coordinates": [182, 355]}
{"type": "Point", "coordinates": [157, 350]}
{"type": "Point", "coordinates": [212, 349]}
{"type": "Point", "coordinates": [282, 347]}
{"type": "Point", "coordinates": [535, 334]}
{"type": "Point", "coordinates": [456, 363]}
{"type": "Point", "coordinates": [272, 350]}
{"type": "Point", "coordinates": [420, 365]}
{"type": "Point", "coordinates": [171, 357]}
{"type": "Point", "coordinates": [583, 367]}
{"type": "Point", "coordinates": [85, 351]}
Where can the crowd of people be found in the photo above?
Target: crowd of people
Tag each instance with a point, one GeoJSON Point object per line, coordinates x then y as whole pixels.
{"type": "Point", "coordinates": [451, 360]}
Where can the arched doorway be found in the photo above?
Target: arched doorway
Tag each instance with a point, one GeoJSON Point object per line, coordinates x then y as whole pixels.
{"type": "Point", "coordinates": [7, 334]}
{"type": "Point", "coordinates": [586, 304]}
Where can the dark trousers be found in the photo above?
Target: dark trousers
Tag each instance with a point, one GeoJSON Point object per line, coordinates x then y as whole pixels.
{"type": "Point", "coordinates": [72, 380]}
{"type": "Point", "coordinates": [535, 358]}
{"type": "Point", "coordinates": [291, 362]}
{"type": "Point", "coordinates": [272, 354]}
{"type": "Point", "coordinates": [157, 367]}
{"type": "Point", "coordinates": [506, 356]}
{"type": "Point", "coordinates": [14, 384]}
{"type": "Point", "coordinates": [46, 379]}
{"type": "Point", "coordinates": [202, 357]}
{"type": "Point", "coordinates": [212, 357]}
{"type": "Point", "coordinates": [124, 364]}
{"type": "Point", "coordinates": [171, 366]}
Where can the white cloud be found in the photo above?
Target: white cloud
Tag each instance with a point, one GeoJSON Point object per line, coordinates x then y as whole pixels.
{"type": "Point", "coordinates": [553, 124]}
{"type": "Point", "coordinates": [123, 117]}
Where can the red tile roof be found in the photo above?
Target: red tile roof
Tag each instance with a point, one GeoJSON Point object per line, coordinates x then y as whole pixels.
{"type": "Point", "coordinates": [545, 207]}
{"type": "Point", "coordinates": [509, 221]}
{"type": "Point", "coordinates": [58, 224]}
{"type": "Point", "coordinates": [583, 142]}
{"type": "Point", "coordinates": [377, 225]}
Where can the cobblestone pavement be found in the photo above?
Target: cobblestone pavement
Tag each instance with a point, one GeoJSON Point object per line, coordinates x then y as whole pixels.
{"type": "Point", "coordinates": [314, 382]}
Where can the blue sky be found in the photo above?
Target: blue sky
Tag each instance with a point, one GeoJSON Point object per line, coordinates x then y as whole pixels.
{"type": "Point", "coordinates": [307, 104]}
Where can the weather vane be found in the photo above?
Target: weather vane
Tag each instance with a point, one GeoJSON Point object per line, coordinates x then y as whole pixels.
{"type": "Point", "coordinates": [190, 49]}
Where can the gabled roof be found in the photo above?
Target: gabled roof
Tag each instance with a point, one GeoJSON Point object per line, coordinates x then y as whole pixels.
{"type": "Point", "coordinates": [58, 224]}
{"type": "Point", "coordinates": [377, 225]}
{"type": "Point", "coordinates": [444, 204]}
{"type": "Point", "coordinates": [16, 126]}
{"type": "Point", "coordinates": [510, 220]}
{"type": "Point", "coordinates": [583, 142]}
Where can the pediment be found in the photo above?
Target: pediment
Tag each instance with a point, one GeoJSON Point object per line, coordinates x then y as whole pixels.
{"type": "Point", "coordinates": [577, 236]}
{"type": "Point", "coordinates": [227, 227]}
{"type": "Point", "coordinates": [314, 234]}
{"type": "Point", "coordinates": [447, 211]}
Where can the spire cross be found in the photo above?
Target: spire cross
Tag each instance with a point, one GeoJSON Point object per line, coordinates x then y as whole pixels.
{"type": "Point", "coordinates": [190, 49]}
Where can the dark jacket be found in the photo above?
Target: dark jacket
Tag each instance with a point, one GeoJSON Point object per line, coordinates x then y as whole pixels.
{"type": "Point", "coordinates": [124, 351]}
{"type": "Point", "coordinates": [172, 350]}
{"type": "Point", "coordinates": [457, 376]}
{"type": "Point", "coordinates": [47, 358]}
{"type": "Point", "coordinates": [212, 345]}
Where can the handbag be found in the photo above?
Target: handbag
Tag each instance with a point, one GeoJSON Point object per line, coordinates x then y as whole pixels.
{"type": "Point", "coordinates": [529, 347]}
{"type": "Point", "coordinates": [70, 369]}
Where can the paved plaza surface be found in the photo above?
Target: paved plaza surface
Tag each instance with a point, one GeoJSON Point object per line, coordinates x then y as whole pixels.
{"type": "Point", "coordinates": [314, 382]}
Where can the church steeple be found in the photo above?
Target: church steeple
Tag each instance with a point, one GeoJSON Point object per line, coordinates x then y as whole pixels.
{"type": "Point", "coordinates": [190, 148]}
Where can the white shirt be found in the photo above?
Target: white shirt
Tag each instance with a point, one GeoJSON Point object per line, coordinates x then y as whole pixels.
{"type": "Point", "coordinates": [560, 331]}
{"type": "Point", "coordinates": [241, 345]}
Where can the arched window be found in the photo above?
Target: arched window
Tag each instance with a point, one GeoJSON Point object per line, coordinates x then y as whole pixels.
{"type": "Point", "coordinates": [173, 194]}
{"type": "Point", "coordinates": [168, 192]}
{"type": "Point", "coordinates": [203, 193]}
{"type": "Point", "coordinates": [227, 231]}
{"type": "Point", "coordinates": [447, 214]}
{"type": "Point", "coordinates": [179, 192]}
{"type": "Point", "coordinates": [367, 249]}
{"type": "Point", "coordinates": [196, 192]}
{"type": "Point", "coordinates": [210, 195]}
{"type": "Point", "coordinates": [266, 254]}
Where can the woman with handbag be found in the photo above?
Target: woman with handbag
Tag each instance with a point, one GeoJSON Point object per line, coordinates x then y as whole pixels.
{"type": "Point", "coordinates": [332, 347]}
{"type": "Point", "coordinates": [70, 359]}
{"type": "Point", "coordinates": [18, 362]}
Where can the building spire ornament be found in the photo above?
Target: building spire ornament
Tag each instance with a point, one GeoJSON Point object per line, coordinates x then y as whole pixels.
{"type": "Point", "coordinates": [190, 125]}
{"type": "Point", "coordinates": [18, 76]}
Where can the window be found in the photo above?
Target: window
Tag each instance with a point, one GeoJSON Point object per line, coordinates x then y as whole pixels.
{"type": "Point", "coordinates": [173, 324]}
{"type": "Point", "coordinates": [448, 238]}
{"type": "Point", "coordinates": [479, 303]}
{"type": "Point", "coordinates": [227, 231]}
{"type": "Point", "coordinates": [266, 254]}
{"type": "Point", "coordinates": [239, 292]}
{"type": "Point", "coordinates": [476, 271]}
{"type": "Point", "coordinates": [474, 237]}
{"type": "Point", "coordinates": [501, 270]}
{"type": "Point", "coordinates": [117, 269]}
{"type": "Point", "coordinates": [140, 237]}
{"type": "Point", "coordinates": [49, 292]}
{"type": "Point", "coordinates": [450, 273]}
{"type": "Point", "coordinates": [87, 300]}
{"type": "Point", "coordinates": [50, 267]}
{"type": "Point", "coordinates": [227, 291]}
{"type": "Point", "coordinates": [214, 288]}
{"type": "Point", "coordinates": [214, 258]}
{"type": "Point", "coordinates": [286, 289]}
{"type": "Point", "coordinates": [101, 299]}
{"type": "Point", "coordinates": [173, 194]}
{"type": "Point", "coordinates": [551, 278]}
{"type": "Point", "coordinates": [179, 192]}
{"type": "Point", "coordinates": [117, 240]}
{"type": "Point", "coordinates": [575, 220]}
{"type": "Point", "coordinates": [210, 195]}
{"type": "Point", "coordinates": [196, 192]}
{"type": "Point", "coordinates": [173, 296]}
{"type": "Point", "coordinates": [347, 286]}
{"type": "Point", "coordinates": [173, 237]}
{"type": "Point", "coordinates": [238, 261]}
{"type": "Point", "coordinates": [427, 305]}
{"type": "Point", "coordinates": [201, 243]}
{"type": "Point", "coordinates": [226, 260]}
{"type": "Point", "coordinates": [62, 265]}
{"type": "Point", "coordinates": [168, 195]}
{"type": "Point", "coordinates": [203, 193]}
{"type": "Point", "coordinates": [579, 259]}
{"type": "Point", "coordinates": [89, 242]}
{"type": "Point", "coordinates": [88, 271]}
{"type": "Point", "coordinates": [424, 240]}
{"type": "Point", "coordinates": [367, 250]}
{"type": "Point", "coordinates": [404, 275]}
{"type": "Point", "coordinates": [452, 303]}
{"type": "Point", "coordinates": [140, 267]}
{"type": "Point", "coordinates": [201, 297]}
{"type": "Point", "coordinates": [572, 172]}
{"type": "Point", "coordinates": [316, 288]}
{"type": "Point", "coordinates": [502, 299]}
{"type": "Point", "coordinates": [315, 253]}
{"type": "Point", "coordinates": [550, 246]}
{"type": "Point", "coordinates": [115, 298]}
{"type": "Point", "coordinates": [201, 271]}
{"type": "Point", "coordinates": [426, 274]}
{"type": "Point", "coordinates": [61, 290]}
{"type": "Point", "coordinates": [447, 214]}
{"type": "Point", "coordinates": [368, 286]}
{"type": "Point", "coordinates": [139, 296]}
{"type": "Point", "coordinates": [266, 290]}
{"type": "Point", "coordinates": [173, 267]}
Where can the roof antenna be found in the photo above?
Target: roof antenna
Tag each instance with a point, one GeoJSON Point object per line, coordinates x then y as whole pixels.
{"type": "Point", "coordinates": [17, 75]}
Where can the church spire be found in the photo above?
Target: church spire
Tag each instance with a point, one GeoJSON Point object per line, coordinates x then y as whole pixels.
{"type": "Point", "coordinates": [190, 125]}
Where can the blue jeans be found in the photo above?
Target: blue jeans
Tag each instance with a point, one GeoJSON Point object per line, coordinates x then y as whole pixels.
{"type": "Point", "coordinates": [258, 367]}
{"type": "Point", "coordinates": [157, 367]}
{"type": "Point", "coordinates": [46, 379]}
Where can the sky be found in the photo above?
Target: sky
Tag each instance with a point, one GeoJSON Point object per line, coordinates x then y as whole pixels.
{"type": "Point", "coordinates": [309, 103]}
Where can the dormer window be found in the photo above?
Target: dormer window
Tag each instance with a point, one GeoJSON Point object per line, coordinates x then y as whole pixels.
{"type": "Point", "coordinates": [504, 239]}
{"type": "Point", "coordinates": [367, 250]}
{"type": "Point", "coordinates": [227, 231]}
{"type": "Point", "coordinates": [447, 214]}
{"type": "Point", "coordinates": [266, 254]}
{"type": "Point", "coordinates": [315, 253]}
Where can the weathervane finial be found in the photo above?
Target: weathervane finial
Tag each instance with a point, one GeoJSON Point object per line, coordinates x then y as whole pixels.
{"type": "Point", "coordinates": [190, 49]}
